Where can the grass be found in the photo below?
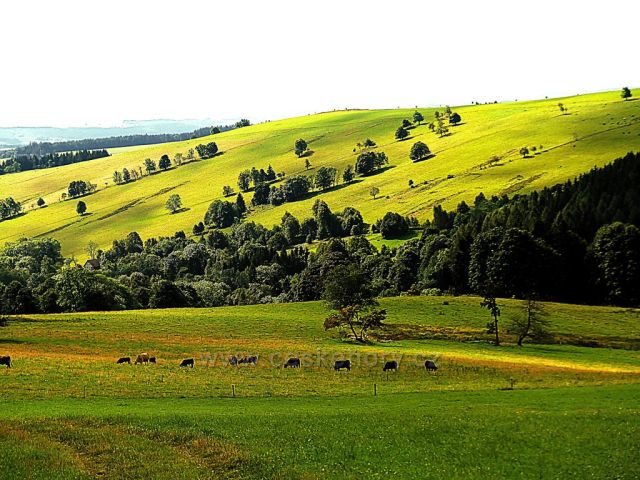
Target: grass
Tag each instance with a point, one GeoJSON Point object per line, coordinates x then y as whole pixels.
{"type": "Point", "coordinates": [68, 411]}
{"type": "Point", "coordinates": [599, 128]}
{"type": "Point", "coordinates": [477, 435]}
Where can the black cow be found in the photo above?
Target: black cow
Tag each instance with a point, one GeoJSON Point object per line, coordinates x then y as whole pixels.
{"type": "Point", "coordinates": [392, 365]}
{"type": "Point", "coordinates": [5, 361]}
{"type": "Point", "coordinates": [292, 363]}
{"type": "Point", "coordinates": [430, 366]}
{"type": "Point", "coordinates": [187, 362]}
{"type": "Point", "coordinates": [340, 364]}
{"type": "Point", "coordinates": [249, 360]}
{"type": "Point", "coordinates": [124, 360]}
{"type": "Point", "coordinates": [233, 361]}
{"type": "Point", "coordinates": [152, 360]}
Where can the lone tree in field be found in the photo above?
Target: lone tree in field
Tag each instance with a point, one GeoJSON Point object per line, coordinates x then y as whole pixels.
{"type": "Point", "coordinates": [244, 180]}
{"type": "Point", "coordinates": [92, 249]}
{"type": "Point", "coordinates": [348, 174]}
{"type": "Point", "coordinates": [227, 191]}
{"type": "Point", "coordinates": [174, 203]}
{"type": "Point", "coordinates": [325, 177]}
{"type": "Point", "coordinates": [369, 162]}
{"type": "Point", "coordinates": [441, 130]}
{"type": "Point", "coordinates": [368, 143]}
{"type": "Point", "coordinates": [419, 151]}
{"type": "Point", "coordinates": [406, 123]}
{"type": "Point", "coordinates": [41, 203]}
{"type": "Point", "coordinates": [241, 206]}
{"type": "Point", "coordinates": [81, 208]}
{"type": "Point", "coordinates": [401, 133]}
{"type": "Point", "coordinates": [524, 151]}
{"type": "Point", "coordinates": [489, 302]}
{"type": "Point", "coordinates": [562, 108]}
{"type": "Point", "coordinates": [149, 166]}
{"type": "Point", "coordinates": [347, 290]}
{"type": "Point", "coordinates": [530, 321]}
{"type": "Point", "coordinates": [300, 147]}
{"type": "Point", "coordinates": [165, 162]}
{"type": "Point", "coordinates": [418, 118]}
{"type": "Point", "coordinates": [307, 164]}
{"type": "Point", "coordinates": [374, 192]}
{"type": "Point", "coordinates": [626, 93]}
{"type": "Point", "coordinates": [455, 119]}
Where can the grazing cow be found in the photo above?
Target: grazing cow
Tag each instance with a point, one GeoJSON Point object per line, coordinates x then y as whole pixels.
{"type": "Point", "coordinates": [152, 360]}
{"type": "Point", "coordinates": [292, 363]}
{"type": "Point", "coordinates": [233, 361]}
{"type": "Point", "coordinates": [430, 366]}
{"type": "Point", "coordinates": [392, 365]}
{"type": "Point", "coordinates": [249, 360]}
{"type": "Point", "coordinates": [187, 362]}
{"type": "Point", "coordinates": [340, 364]}
{"type": "Point", "coordinates": [124, 360]}
{"type": "Point", "coordinates": [142, 358]}
{"type": "Point", "coordinates": [5, 361]}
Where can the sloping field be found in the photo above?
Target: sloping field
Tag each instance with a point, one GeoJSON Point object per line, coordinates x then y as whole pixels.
{"type": "Point", "coordinates": [67, 411]}
{"type": "Point", "coordinates": [597, 129]}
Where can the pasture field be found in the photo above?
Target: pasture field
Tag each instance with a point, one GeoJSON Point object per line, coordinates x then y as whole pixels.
{"type": "Point", "coordinates": [554, 410]}
{"type": "Point", "coordinates": [597, 129]}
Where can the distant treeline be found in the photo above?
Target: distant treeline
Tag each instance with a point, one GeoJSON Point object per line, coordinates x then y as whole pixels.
{"type": "Point", "coordinates": [21, 163]}
{"type": "Point", "coordinates": [43, 148]}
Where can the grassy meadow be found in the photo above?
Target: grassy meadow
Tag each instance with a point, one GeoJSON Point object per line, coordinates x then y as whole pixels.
{"type": "Point", "coordinates": [566, 408]}
{"type": "Point", "coordinates": [596, 129]}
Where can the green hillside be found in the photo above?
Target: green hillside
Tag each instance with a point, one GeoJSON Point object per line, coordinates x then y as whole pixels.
{"type": "Point", "coordinates": [596, 129]}
{"type": "Point", "coordinates": [68, 411]}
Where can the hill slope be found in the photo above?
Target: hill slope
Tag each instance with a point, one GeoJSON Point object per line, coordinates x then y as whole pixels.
{"type": "Point", "coordinates": [597, 129]}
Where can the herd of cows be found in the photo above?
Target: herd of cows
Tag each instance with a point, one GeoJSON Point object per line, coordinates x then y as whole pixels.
{"type": "Point", "coordinates": [145, 358]}
{"type": "Point", "coordinates": [293, 362]}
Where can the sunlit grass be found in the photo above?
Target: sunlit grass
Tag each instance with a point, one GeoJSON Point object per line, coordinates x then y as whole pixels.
{"type": "Point", "coordinates": [599, 128]}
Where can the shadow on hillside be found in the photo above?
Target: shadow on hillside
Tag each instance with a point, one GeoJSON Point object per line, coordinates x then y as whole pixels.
{"type": "Point", "coordinates": [335, 188]}
{"type": "Point", "coordinates": [11, 341]}
{"type": "Point", "coordinates": [21, 214]}
{"type": "Point", "coordinates": [428, 157]}
{"type": "Point", "coordinates": [381, 170]}
{"type": "Point", "coordinates": [180, 210]}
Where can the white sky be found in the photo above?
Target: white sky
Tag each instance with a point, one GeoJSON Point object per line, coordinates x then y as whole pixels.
{"type": "Point", "coordinates": [85, 62]}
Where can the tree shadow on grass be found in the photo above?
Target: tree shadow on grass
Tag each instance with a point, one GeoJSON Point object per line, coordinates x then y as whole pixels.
{"type": "Point", "coordinates": [380, 170]}
{"type": "Point", "coordinates": [12, 341]}
{"type": "Point", "coordinates": [335, 188]}
{"type": "Point", "coordinates": [428, 157]}
{"type": "Point", "coordinates": [180, 210]}
{"type": "Point", "coordinates": [21, 214]}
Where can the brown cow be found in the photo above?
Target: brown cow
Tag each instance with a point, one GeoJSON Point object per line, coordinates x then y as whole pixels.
{"type": "Point", "coordinates": [142, 358]}
{"type": "Point", "coordinates": [5, 361]}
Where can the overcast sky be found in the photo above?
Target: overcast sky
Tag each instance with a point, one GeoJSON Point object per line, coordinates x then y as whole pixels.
{"type": "Point", "coordinates": [72, 63]}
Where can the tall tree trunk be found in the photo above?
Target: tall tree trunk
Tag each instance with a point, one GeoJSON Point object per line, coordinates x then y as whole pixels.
{"type": "Point", "coordinates": [495, 324]}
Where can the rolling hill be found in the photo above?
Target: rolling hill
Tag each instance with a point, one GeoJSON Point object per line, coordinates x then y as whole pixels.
{"type": "Point", "coordinates": [596, 129]}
